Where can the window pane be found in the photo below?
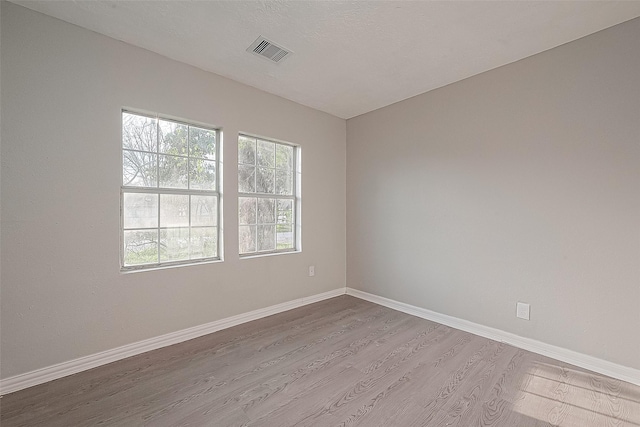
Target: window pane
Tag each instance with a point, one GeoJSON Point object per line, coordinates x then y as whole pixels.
{"type": "Point", "coordinates": [265, 180]}
{"type": "Point", "coordinates": [266, 168]}
{"type": "Point", "coordinates": [173, 138]}
{"type": "Point", "coordinates": [284, 182]}
{"type": "Point", "coordinates": [140, 210]}
{"type": "Point", "coordinates": [204, 210]}
{"type": "Point", "coordinates": [168, 225]}
{"type": "Point", "coordinates": [285, 211]}
{"type": "Point", "coordinates": [139, 132]}
{"type": "Point", "coordinates": [246, 179]}
{"type": "Point", "coordinates": [266, 154]}
{"type": "Point", "coordinates": [247, 237]}
{"type": "Point", "coordinates": [246, 150]}
{"type": "Point", "coordinates": [247, 210]}
{"type": "Point", "coordinates": [266, 211]}
{"type": "Point", "coordinates": [284, 157]}
{"type": "Point", "coordinates": [173, 172]}
{"type": "Point", "coordinates": [284, 236]}
{"type": "Point", "coordinates": [140, 247]}
{"type": "Point", "coordinates": [174, 210]}
{"type": "Point", "coordinates": [202, 174]}
{"type": "Point", "coordinates": [139, 169]}
{"type": "Point", "coordinates": [266, 237]}
{"type": "Point", "coordinates": [204, 242]}
{"type": "Point", "coordinates": [202, 143]}
{"type": "Point", "coordinates": [174, 244]}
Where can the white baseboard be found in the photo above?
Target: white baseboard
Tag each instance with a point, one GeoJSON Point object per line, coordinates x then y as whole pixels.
{"type": "Point", "coordinates": [64, 369]}
{"type": "Point", "coordinates": [591, 363]}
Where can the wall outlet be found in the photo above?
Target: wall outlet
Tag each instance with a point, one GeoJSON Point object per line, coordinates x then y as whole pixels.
{"type": "Point", "coordinates": [522, 310]}
{"type": "Point", "coordinates": [312, 270]}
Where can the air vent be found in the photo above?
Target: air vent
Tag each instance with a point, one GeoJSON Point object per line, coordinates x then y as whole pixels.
{"type": "Point", "coordinates": [268, 49]}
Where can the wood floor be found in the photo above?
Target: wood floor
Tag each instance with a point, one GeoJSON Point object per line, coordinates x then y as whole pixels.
{"type": "Point", "coordinates": [340, 362]}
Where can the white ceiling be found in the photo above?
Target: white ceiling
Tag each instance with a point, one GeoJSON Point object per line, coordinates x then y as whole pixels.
{"type": "Point", "coordinates": [350, 57]}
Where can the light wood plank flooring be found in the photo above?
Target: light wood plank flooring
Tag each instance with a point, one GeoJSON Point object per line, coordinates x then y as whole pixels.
{"type": "Point", "coordinates": [340, 362]}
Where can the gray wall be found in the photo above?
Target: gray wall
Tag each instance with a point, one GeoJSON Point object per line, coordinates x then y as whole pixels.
{"type": "Point", "coordinates": [522, 183]}
{"type": "Point", "coordinates": [62, 293]}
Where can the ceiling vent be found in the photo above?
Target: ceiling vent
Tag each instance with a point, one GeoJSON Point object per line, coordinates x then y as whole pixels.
{"type": "Point", "coordinates": [268, 49]}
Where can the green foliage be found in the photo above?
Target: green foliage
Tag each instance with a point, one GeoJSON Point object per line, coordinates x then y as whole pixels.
{"type": "Point", "coordinates": [167, 152]}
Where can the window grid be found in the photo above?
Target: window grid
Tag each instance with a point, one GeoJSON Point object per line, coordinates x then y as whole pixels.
{"type": "Point", "coordinates": [162, 251]}
{"type": "Point", "coordinates": [258, 233]}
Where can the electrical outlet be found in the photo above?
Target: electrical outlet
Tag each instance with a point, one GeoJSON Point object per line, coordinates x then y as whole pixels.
{"type": "Point", "coordinates": [522, 310]}
{"type": "Point", "coordinates": [312, 270]}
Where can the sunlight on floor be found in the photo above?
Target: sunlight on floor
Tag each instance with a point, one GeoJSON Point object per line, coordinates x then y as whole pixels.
{"type": "Point", "coordinates": [565, 396]}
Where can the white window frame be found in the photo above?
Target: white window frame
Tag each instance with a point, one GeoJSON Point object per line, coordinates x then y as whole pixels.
{"type": "Point", "coordinates": [296, 199]}
{"type": "Point", "coordinates": [159, 191]}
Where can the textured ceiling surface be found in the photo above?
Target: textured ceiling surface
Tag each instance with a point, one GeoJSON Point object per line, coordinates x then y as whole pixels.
{"type": "Point", "coordinates": [350, 57]}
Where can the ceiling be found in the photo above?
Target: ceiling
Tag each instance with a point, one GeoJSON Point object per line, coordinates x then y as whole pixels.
{"type": "Point", "coordinates": [350, 57]}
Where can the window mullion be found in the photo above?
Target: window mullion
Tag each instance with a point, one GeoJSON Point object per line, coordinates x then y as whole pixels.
{"type": "Point", "coordinates": [294, 188]}
{"type": "Point", "coordinates": [153, 190]}
{"type": "Point", "coordinates": [189, 213]}
{"type": "Point", "coordinates": [188, 157]}
{"type": "Point", "coordinates": [157, 152]}
{"type": "Point", "coordinates": [255, 170]}
{"type": "Point", "coordinates": [158, 230]}
{"type": "Point", "coordinates": [158, 179]}
{"type": "Point", "coordinates": [266, 196]}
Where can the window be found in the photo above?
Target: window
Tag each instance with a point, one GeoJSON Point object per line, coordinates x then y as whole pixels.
{"type": "Point", "coordinates": [268, 200]}
{"type": "Point", "coordinates": [169, 197]}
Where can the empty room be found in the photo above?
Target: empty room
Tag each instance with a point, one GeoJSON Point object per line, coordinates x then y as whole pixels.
{"type": "Point", "coordinates": [319, 213]}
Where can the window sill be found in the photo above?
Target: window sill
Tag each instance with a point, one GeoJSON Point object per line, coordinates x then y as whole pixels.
{"type": "Point", "coordinates": [140, 269]}
{"type": "Point", "coordinates": [267, 254]}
